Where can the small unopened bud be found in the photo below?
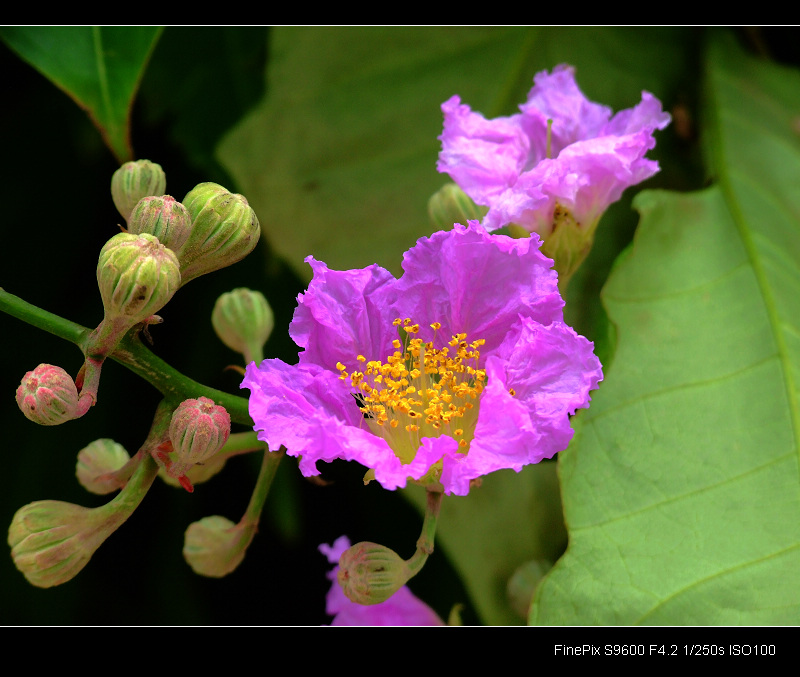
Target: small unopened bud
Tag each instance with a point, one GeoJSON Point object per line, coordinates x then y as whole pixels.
{"type": "Point", "coordinates": [135, 180]}
{"type": "Point", "coordinates": [225, 229]}
{"type": "Point", "coordinates": [243, 321]}
{"type": "Point", "coordinates": [370, 573]}
{"type": "Point", "coordinates": [215, 546]}
{"type": "Point", "coordinates": [51, 541]}
{"type": "Point", "coordinates": [97, 464]}
{"type": "Point", "coordinates": [451, 205]}
{"type": "Point", "coordinates": [522, 585]}
{"type": "Point", "coordinates": [164, 217]}
{"type": "Point", "coordinates": [198, 430]}
{"type": "Point", "coordinates": [137, 276]}
{"type": "Point", "coordinates": [48, 395]}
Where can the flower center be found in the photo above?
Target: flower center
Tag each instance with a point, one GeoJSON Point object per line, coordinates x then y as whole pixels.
{"type": "Point", "coordinates": [421, 390]}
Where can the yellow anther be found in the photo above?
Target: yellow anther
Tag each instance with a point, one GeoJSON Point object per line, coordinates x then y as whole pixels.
{"type": "Point", "coordinates": [436, 326]}
{"type": "Point", "coordinates": [361, 358]}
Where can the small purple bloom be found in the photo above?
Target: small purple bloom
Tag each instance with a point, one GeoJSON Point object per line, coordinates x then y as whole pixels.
{"type": "Point", "coordinates": [460, 367]}
{"type": "Point", "coordinates": [505, 164]}
{"type": "Point", "coordinates": [402, 608]}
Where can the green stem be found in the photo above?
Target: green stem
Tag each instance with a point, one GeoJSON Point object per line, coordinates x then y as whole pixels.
{"type": "Point", "coordinates": [42, 319]}
{"type": "Point", "coordinates": [131, 353]}
{"type": "Point", "coordinates": [269, 466]}
{"type": "Point", "coordinates": [426, 538]}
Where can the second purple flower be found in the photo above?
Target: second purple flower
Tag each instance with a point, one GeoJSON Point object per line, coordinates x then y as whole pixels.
{"type": "Point", "coordinates": [553, 178]}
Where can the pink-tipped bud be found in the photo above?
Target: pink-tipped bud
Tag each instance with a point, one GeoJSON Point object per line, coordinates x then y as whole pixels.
{"type": "Point", "coordinates": [370, 573]}
{"type": "Point", "coordinates": [198, 430]}
{"type": "Point", "coordinates": [164, 217]}
{"type": "Point", "coordinates": [48, 395]}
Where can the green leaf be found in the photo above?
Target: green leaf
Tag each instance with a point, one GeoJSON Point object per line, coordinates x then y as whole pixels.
{"type": "Point", "coordinates": [681, 487]}
{"type": "Point", "coordinates": [339, 160]}
{"type": "Point", "coordinates": [99, 67]}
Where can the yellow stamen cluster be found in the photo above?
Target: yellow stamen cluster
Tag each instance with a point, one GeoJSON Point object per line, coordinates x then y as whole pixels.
{"type": "Point", "coordinates": [421, 390]}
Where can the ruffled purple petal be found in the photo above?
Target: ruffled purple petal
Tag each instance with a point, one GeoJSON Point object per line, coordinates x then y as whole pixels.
{"type": "Point", "coordinates": [483, 156]}
{"type": "Point", "coordinates": [647, 114]}
{"type": "Point", "coordinates": [343, 314]}
{"type": "Point", "coordinates": [585, 178]}
{"type": "Point", "coordinates": [476, 283]}
{"type": "Point", "coordinates": [551, 370]}
{"type": "Point", "coordinates": [556, 96]}
{"type": "Point", "coordinates": [311, 412]}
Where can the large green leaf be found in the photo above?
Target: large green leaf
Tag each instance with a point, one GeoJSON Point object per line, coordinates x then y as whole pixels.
{"type": "Point", "coordinates": [98, 66]}
{"type": "Point", "coordinates": [681, 490]}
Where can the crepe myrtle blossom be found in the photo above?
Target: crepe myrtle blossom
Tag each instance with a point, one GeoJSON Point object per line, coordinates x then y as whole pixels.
{"type": "Point", "coordinates": [557, 165]}
{"type": "Point", "coordinates": [460, 367]}
{"type": "Point", "coordinates": [402, 608]}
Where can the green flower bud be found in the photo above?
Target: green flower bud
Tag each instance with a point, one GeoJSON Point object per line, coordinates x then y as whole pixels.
{"type": "Point", "coordinates": [451, 205]}
{"type": "Point", "coordinates": [96, 464]}
{"type": "Point", "coordinates": [164, 217]}
{"type": "Point", "coordinates": [137, 276]}
{"type": "Point", "coordinates": [48, 395]}
{"type": "Point", "coordinates": [197, 198]}
{"type": "Point", "coordinates": [522, 585]}
{"type": "Point", "coordinates": [51, 541]}
{"type": "Point", "coordinates": [370, 573]}
{"type": "Point", "coordinates": [198, 430]}
{"type": "Point", "coordinates": [243, 321]}
{"type": "Point", "coordinates": [215, 546]}
{"type": "Point", "coordinates": [135, 180]}
{"type": "Point", "coordinates": [225, 229]}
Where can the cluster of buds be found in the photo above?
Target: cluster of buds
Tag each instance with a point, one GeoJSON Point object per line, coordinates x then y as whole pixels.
{"type": "Point", "coordinates": [167, 243]}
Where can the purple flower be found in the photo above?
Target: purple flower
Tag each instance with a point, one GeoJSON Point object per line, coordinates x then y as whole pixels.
{"type": "Point", "coordinates": [402, 608]}
{"type": "Point", "coordinates": [461, 367]}
{"type": "Point", "coordinates": [505, 163]}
